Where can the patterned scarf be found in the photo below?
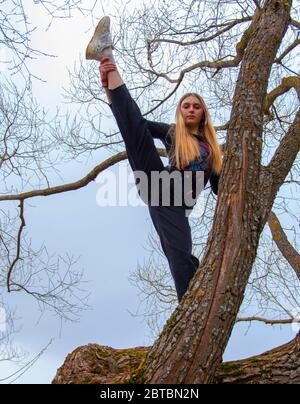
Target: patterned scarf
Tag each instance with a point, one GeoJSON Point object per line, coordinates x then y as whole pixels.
{"type": "Point", "coordinates": [200, 163]}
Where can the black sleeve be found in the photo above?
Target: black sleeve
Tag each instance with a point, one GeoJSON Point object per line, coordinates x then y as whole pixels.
{"type": "Point", "coordinates": [158, 130]}
{"type": "Point", "coordinates": [111, 107]}
{"type": "Point", "coordinates": [214, 182]}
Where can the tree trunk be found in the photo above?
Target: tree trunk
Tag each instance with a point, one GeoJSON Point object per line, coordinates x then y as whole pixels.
{"type": "Point", "coordinates": [192, 343]}
{"type": "Point", "coordinates": [279, 366]}
{"type": "Point", "coordinates": [96, 364]}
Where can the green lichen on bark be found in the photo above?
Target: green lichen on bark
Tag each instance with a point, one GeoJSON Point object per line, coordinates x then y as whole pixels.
{"type": "Point", "coordinates": [228, 370]}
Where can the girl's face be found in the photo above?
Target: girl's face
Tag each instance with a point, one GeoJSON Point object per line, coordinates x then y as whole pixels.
{"type": "Point", "coordinates": [192, 112]}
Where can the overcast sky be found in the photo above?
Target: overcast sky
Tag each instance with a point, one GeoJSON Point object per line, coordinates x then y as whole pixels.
{"type": "Point", "coordinates": [110, 241]}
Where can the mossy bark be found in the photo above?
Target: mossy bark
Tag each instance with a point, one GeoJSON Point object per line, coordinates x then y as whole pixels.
{"type": "Point", "coordinates": [96, 364]}
{"type": "Point", "coordinates": [278, 366]}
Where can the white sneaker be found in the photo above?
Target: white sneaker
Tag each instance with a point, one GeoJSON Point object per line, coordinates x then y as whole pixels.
{"type": "Point", "coordinates": [100, 40]}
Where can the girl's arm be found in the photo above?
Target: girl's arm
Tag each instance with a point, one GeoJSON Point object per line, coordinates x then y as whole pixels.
{"type": "Point", "coordinates": [214, 182]}
{"type": "Point", "coordinates": [158, 130]}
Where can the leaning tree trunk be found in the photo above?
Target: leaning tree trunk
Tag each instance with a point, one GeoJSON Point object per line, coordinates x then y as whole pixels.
{"type": "Point", "coordinates": [191, 345]}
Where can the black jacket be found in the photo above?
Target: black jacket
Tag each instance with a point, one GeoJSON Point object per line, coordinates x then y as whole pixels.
{"type": "Point", "coordinates": [165, 133]}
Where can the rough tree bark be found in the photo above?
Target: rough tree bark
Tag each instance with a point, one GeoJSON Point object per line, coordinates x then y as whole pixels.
{"type": "Point", "coordinates": [96, 364]}
{"type": "Point", "coordinates": [278, 366]}
{"type": "Point", "coordinates": [190, 348]}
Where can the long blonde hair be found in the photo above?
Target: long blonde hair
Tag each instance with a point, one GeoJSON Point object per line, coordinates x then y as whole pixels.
{"type": "Point", "coordinates": [186, 145]}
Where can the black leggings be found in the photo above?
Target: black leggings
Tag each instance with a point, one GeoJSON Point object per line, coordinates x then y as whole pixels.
{"type": "Point", "coordinates": [170, 222]}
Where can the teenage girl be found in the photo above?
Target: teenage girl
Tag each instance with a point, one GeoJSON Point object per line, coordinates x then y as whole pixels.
{"type": "Point", "coordinates": [191, 144]}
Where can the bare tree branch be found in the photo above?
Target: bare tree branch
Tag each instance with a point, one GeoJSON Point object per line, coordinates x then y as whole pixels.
{"type": "Point", "coordinates": [91, 176]}
{"type": "Point", "coordinates": [18, 247]}
{"type": "Point", "coordinates": [286, 84]}
{"type": "Point", "coordinates": [268, 321]}
{"type": "Point", "coordinates": [295, 23]}
{"type": "Point", "coordinates": [287, 51]}
{"type": "Point", "coordinates": [281, 240]}
{"type": "Point", "coordinates": [218, 64]}
{"type": "Point", "coordinates": [228, 27]}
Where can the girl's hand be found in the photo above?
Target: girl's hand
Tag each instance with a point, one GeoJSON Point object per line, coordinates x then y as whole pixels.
{"type": "Point", "coordinates": [104, 68]}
